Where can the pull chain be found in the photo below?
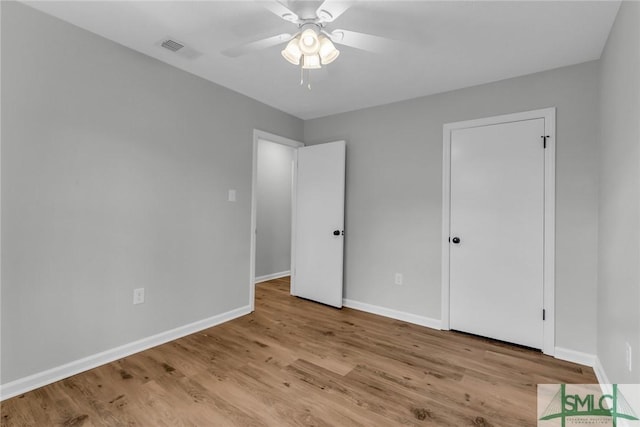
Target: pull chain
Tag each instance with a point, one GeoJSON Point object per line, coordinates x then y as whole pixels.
{"type": "Point", "coordinates": [308, 78]}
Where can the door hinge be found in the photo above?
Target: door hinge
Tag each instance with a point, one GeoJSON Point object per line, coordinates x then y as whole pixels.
{"type": "Point", "coordinates": [544, 314]}
{"type": "Point", "coordinates": [544, 140]}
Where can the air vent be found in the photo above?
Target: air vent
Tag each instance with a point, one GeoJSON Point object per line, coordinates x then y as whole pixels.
{"type": "Point", "coordinates": [179, 48]}
{"type": "Point", "coordinates": [173, 46]}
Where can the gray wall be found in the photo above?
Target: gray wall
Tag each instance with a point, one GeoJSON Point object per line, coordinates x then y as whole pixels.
{"type": "Point", "coordinates": [394, 192]}
{"type": "Point", "coordinates": [273, 222]}
{"type": "Point", "coordinates": [619, 215]}
{"type": "Point", "coordinates": [115, 171]}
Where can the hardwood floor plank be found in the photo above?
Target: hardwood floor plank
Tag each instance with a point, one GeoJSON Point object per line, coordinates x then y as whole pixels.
{"type": "Point", "coordinates": [296, 363]}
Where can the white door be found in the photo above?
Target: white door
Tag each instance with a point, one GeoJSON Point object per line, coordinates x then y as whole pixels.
{"type": "Point", "coordinates": [497, 231]}
{"type": "Point", "coordinates": [319, 223]}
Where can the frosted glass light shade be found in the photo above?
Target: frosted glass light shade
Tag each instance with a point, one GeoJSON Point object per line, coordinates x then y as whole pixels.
{"type": "Point", "coordinates": [311, 62]}
{"type": "Point", "coordinates": [292, 52]}
{"type": "Point", "coordinates": [328, 52]}
{"type": "Point", "coordinates": [309, 43]}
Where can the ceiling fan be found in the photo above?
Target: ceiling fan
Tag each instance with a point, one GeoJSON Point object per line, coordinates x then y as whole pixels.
{"type": "Point", "coordinates": [312, 46]}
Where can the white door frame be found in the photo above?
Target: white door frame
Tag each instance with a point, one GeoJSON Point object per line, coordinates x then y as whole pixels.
{"type": "Point", "coordinates": [549, 116]}
{"type": "Point", "coordinates": [258, 135]}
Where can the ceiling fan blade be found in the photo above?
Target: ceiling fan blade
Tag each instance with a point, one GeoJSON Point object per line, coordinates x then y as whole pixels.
{"type": "Point", "coordinates": [330, 10]}
{"type": "Point", "coordinates": [279, 9]}
{"type": "Point", "coordinates": [257, 45]}
{"type": "Point", "coordinates": [362, 41]}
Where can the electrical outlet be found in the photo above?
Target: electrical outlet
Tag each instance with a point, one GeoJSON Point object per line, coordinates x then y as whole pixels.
{"type": "Point", "coordinates": [138, 296]}
{"type": "Point", "coordinates": [629, 356]}
{"type": "Point", "coordinates": [398, 279]}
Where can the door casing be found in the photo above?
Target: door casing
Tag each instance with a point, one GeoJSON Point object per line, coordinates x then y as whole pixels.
{"type": "Point", "coordinates": [549, 116]}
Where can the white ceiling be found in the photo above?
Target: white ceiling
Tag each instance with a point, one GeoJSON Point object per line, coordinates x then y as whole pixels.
{"type": "Point", "coordinates": [446, 45]}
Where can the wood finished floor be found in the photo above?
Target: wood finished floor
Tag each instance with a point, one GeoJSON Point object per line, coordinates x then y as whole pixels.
{"type": "Point", "coordinates": [293, 362]}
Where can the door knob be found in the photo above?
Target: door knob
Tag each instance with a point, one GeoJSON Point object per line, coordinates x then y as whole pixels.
{"type": "Point", "coordinates": [336, 232]}
{"type": "Point", "coordinates": [456, 240]}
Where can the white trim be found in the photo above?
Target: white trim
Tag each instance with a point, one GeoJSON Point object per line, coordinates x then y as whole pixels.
{"type": "Point", "coordinates": [549, 116]}
{"type": "Point", "coordinates": [574, 356]}
{"type": "Point", "coordinates": [607, 387]}
{"type": "Point", "coordinates": [268, 277]}
{"type": "Point", "coordinates": [549, 284]}
{"type": "Point", "coordinates": [58, 373]}
{"type": "Point", "coordinates": [394, 314]}
{"type": "Point", "coordinates": [446, 219]}
{"type": "Point", "coordinates": [603, 379]}
{"type": "Point", "coordinates": [258, 135]}
{"type": "Point", "coordinates": [598, 369]}
{"type": "Point", "coordinates": [0, 197]}
{"type": "Point", "coordinates": [294, 221]}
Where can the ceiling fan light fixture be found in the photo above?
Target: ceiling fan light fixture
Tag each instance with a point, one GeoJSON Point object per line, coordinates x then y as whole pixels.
{"type": "Point", "coordinates": [327, 52]}
{"type": "Point", "coordinates": [311, 62]}
{"type": "Point", "coordinates": [309, 43]}
{"type": "Point", "coordinates": [292, 52]}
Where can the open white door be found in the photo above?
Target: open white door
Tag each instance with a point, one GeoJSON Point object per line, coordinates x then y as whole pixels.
{"type": "Point", "coordinates": [319, 223]}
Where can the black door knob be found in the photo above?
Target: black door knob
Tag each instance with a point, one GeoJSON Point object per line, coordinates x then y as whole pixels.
{"type": "Point", "coordinates": [456, 240]}
{"type": "Point", "coordinates": [336, 232]}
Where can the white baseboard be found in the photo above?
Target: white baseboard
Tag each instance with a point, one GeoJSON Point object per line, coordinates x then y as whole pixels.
{"type": "Point", "coordinates": [272, 276]}
{"type": "Point", "coordinates": [607, 388]}
{"type": "Point", "coordinates": [574, 356]}
{"type": "Point", "coordinates": [394, 314]}
{"type": "Point", "coordinates": [58, 373]}
{"type": "Point", "coordinates": [600, 373]}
